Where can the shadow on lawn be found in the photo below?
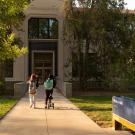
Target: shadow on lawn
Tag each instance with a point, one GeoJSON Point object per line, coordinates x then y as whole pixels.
{"type": "Point", "coordinates": [95, 109]}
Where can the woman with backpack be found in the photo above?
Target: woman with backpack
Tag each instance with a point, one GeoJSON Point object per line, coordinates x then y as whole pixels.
{"type": "Point", "coordinates": [32, 90]}
{"type": "Point", "coordinates": [48, 85]}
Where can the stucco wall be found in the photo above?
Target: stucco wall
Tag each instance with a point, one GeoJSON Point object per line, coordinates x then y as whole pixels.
{"type": "Point", "coordinates": [46, 9]}
{"type": "Point", "coordinates": [19, 74]}
{"type": "Point", "coordinates": [42, 9]}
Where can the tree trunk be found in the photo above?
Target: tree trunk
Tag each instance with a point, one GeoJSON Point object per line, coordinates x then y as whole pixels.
{"type": "Point", "coordinates": [80, 65]}
{"type": "Point", "coordinates": [86, 63]}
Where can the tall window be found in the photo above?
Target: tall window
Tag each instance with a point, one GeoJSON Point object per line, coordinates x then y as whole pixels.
{"type": "Point", "coordinates": [43, 28]}
{"type": "Point", "coordinates": [8, 68]}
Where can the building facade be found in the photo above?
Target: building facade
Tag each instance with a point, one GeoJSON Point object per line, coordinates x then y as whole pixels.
{"type": "Point", "coordinates": [42, 34]}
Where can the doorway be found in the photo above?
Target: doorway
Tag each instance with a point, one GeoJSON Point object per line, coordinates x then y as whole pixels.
{"type": "Point", "coordinates": [43, 64]}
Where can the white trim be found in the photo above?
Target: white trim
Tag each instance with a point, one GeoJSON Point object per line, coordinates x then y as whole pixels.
{"type": "Point", "coordinates": [39, 51]}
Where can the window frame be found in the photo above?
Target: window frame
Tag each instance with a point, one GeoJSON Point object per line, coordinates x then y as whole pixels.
{"type": "Point", "coordinates": [48, 28]}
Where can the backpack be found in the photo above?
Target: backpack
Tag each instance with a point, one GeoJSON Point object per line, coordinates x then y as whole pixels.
{"type": "Point", "coordinates": [48, 84]}
{"type": "Point", "coordinates": [54, 82]}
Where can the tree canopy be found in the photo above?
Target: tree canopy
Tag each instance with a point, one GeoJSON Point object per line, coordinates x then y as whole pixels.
{"type": "Point", "coordinates": [108, 31]}
{"type": "Point", "coordinates": [11, 16]}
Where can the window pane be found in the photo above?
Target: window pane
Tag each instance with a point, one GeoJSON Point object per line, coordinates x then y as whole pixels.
{"type": "Point", "coordinates": [53, 28]}
{"type": "Point", "coordinates": [33, 28]}
{"type": "Point", "coordinates": [75, 63]}
{"type": "Point", "coordinates": [43, 28]}
{"type": "Point", "coordinates": [9, 68]}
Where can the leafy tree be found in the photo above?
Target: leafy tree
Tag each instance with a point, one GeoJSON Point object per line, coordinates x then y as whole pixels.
{"type": "Point", "coordinates": [108, 31]}
{"type": "Point", "coordinates": [11, 16]}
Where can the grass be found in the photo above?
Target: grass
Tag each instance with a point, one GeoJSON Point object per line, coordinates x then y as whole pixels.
{"type": "Point", "coordinates": [99, 109]}
{"type": "Point", "coordinates": [6, 104]}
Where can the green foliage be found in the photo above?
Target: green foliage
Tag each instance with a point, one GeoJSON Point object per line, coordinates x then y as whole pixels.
{"type": "Point", "coordinates": [9, 49]}
{"type": "Point", "coordinates": [11, 15]}
{"type": "Point", "coordinates": [97, 108]}
{"type": "Point", "coordinates": [11, 12]}
{"type": "Point", "coordinates": [108, 31]}
{"type": "Point", "coordinates": [6, 104]}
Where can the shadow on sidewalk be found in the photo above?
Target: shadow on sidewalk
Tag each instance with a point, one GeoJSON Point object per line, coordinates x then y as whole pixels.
{"type": "Point", "coordinates": [39, 108]}
{"type": "Point", "coordinates": [58, 108]}
{"type": "Point", "coordinates": [66, 108]}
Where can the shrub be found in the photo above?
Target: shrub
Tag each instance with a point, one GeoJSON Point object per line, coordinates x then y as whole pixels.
{"type": "Point", "coordinates": [2, 86]}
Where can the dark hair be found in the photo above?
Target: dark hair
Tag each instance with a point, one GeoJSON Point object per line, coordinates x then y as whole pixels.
{"type": "Point", "coordinates": [33, 77]}
{"type": "Point", "coordinates": [51, 76]}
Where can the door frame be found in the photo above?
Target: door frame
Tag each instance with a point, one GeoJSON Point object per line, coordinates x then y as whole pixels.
{"type": "Point", "coordinates": [39, 51]}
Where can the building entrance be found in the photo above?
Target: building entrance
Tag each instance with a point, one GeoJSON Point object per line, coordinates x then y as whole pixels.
{"type": "Point", "coordinates": [43, 64]}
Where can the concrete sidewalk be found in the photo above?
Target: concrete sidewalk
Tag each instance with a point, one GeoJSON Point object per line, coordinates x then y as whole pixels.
{"type": "Point", "coordinates": [65, 119]}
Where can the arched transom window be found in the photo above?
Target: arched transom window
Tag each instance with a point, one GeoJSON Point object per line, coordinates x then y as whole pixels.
{"type": "Point", "coordinates": [43, 28]}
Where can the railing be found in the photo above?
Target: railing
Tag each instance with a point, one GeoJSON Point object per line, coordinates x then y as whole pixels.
{"type": "Point", "coordinates": [90, 85]}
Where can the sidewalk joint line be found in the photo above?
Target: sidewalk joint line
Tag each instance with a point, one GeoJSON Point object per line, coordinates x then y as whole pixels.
{"type": "Point", "coordinates": [46, 123]}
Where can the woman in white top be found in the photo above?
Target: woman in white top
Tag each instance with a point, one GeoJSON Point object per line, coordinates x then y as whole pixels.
{"type": "Point", "coordinates": [32, 90]}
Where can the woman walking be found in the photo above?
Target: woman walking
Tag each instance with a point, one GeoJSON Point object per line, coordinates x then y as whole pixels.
{"type": "Point", "coordinates": [48, 85]}
{"type": "Point", "coordinates": [32, 90]}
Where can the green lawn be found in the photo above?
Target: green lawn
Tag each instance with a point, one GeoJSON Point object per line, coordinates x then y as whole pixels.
{"type": "Point", "coordinates": [6, 104]}
{"type": "Point", "coordinates": [98, 109]}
